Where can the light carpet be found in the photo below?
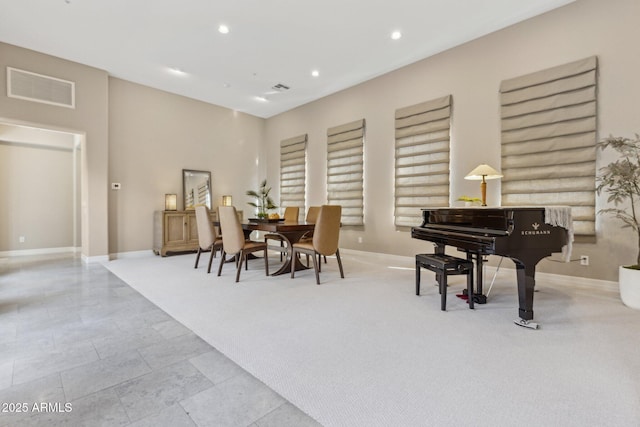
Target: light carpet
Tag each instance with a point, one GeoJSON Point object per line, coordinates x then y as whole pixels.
{"type": "Point", "coordinates": [365, 351]}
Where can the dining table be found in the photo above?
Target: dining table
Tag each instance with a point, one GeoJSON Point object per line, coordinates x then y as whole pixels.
{"type": "Point", "coordinates": [290, 231]}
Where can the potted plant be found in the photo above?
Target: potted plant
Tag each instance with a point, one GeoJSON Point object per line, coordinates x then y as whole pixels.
{"type": "Point", "coordinates": [263, 201]}
{"type": "Point", "coordinates": [621, 180]}
{"type": "Point", "coordinates": [470, 201]}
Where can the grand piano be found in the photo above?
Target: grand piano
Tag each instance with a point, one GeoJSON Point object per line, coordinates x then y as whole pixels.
{"type": "Point", "coordinates": [524, 234]}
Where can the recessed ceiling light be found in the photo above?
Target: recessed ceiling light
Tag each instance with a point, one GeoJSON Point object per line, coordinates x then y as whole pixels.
{"type": "Point", "coordinates": [260, 98]}
{"type": "Point", "coordinates": [396, 35]}
{"type": "Point", "coordinates": [223, 29]}
{"type": "Point", "coordinates": [177, 71]}
{"type": "Point", "coordinates": [315, 73]}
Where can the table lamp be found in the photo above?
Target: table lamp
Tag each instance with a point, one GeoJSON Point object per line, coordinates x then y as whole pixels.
{"type": "Point", "coordinates": [483, 172]}
{"type": "Point", "coordinates": [226, 201]}
{"type": "Point", "coordinates": [170, 202]}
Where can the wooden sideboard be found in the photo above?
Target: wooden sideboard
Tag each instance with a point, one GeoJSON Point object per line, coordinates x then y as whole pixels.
{"type": "Point", "coordinates": [177, 231]}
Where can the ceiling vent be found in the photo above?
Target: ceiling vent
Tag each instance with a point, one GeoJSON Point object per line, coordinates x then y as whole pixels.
{"type": "Point", "coordinates": [280, 87]}
{"type": "Point", "coordinates": [38, 88]}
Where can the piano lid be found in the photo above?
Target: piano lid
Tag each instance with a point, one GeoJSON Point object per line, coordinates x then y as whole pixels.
{"type": "Point", "coordinates": [478, 219]}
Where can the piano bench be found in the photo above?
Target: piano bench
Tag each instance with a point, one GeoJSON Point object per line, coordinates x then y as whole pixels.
{"type": "Point", "coordinates": [445, 265]}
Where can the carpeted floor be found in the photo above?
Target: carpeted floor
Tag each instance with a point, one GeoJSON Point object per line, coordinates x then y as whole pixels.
{"type": "Point", "coordinates": [365, 351]}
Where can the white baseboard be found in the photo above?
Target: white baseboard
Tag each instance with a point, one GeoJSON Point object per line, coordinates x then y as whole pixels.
{"type": "Point", "coordinates": [75, 250]}
{"type": "Point", "coordinates": [387, 258]}
{"type": "Point", "coordinates": [94, 259]}
{"type": "Point", "coordinates": [556, 279]}
{"type": "Point", "coordinates": [132, 254]}
{"type": "Point", "coordinates": [40, 251]}
{"type": "Point", "coordinates": [409, 263]}
{"type": "Point", "coordinates": [560, 279]}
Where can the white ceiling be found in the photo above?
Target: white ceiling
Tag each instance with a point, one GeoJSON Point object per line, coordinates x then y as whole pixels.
{"type": "Point", "coordinates": [270, 41]}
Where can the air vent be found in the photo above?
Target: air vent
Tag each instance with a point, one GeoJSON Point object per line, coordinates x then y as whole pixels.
{"type": "Point", "coordinates": [280, 87]}
{"type": "Point", "coordinates": [38, 88]}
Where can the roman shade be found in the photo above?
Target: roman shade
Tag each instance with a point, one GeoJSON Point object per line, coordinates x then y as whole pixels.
{"type": "Point", "coordinates": [293, 171]}
{"type": "Point", "coordinates": [421, 159]}
{"type": "Point", "coordinates": [549, 139]}
{"type": "Point", "coordinates": [345, 170]}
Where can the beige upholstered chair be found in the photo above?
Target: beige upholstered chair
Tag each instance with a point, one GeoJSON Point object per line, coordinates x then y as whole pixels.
{"type": "Point", "coordinates": [312, 216]}
{"type": "Point", "coordinates": [208, 240]}
{"type": "Point", "coordinates": [233, 241]}
{"type": "Point", "coordinates": [290, 215]}
{"type": "Point", "coordinates": [325, 239]}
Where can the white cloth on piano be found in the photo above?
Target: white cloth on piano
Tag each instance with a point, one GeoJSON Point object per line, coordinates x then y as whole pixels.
{"type": "Point", "coordinates": [560, 216]}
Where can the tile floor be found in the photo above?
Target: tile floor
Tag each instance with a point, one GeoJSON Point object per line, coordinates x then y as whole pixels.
{"type": "Point", "coordinates": [79, 347]}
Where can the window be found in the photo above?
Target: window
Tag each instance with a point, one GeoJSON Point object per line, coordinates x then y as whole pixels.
{"type": "Point", "coordinates": [345, 170]}
{"type": "Point", "coordinates": [293, 172]}
{"type": "Point", "coordinates": [549, 140]}
{"type": "Point", "coordinates": [421, 159]}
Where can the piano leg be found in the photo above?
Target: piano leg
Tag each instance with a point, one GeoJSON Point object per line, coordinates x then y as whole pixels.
{"type": "Point", "coordinates": [479, 261]}
{"type": "Point", "coordinates": [478, 297]}
{"type": "Point", "coordinates": [439, 249]}
{"type": "Point", "coordinates": [417, 277]}
{"type": "Point", "coordinates": [526, 287]}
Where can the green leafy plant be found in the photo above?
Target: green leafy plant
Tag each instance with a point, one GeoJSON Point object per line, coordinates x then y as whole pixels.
{"type": "Point", "coordinates": [469, 199]}
{"type": "Point", "coordinates": [621, 181]}
{"type": "Point", "coordinates": [263, 202]}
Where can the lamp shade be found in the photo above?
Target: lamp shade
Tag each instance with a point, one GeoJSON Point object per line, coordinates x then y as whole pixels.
{"type": "Point", "coordinates": [170, 202]}
{"type": "Point", "coordinates": [226, 201]}
{"type": "Point", "coordinates": [483, 171]}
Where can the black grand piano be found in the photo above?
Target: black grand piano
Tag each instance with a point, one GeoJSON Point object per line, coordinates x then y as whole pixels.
{"type": "Point", "coordinates": [524, 234]}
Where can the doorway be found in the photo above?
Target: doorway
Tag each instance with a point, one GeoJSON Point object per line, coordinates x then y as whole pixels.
{"type": "Point", "coordinates": [40, 182]}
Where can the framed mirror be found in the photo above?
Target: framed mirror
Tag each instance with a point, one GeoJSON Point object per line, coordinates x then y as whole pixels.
{"type": "Point", "coordinates": [196, 187]}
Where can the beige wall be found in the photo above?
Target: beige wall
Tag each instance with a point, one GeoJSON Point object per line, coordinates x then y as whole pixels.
{"type": "Point", "coordinates": [153, 136]}
{"type": "Point", "coordinates": [472, 74]}
{"type": "Point", "coordinates": [89, 118]}
{"type": "Point", "coordinates": [36, 186]}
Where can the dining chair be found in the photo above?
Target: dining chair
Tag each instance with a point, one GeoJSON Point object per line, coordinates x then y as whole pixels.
{"type": "Point", "coordinates": [234, 242]}
{"type": "Point", "coordinates": [208, 240]}
{"type": "Point", "coordinates": [312, 216]}
{"type": "Point", "coordinates": [326, 235]}
{"type": "Point", "coordinates": [290, 215]}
